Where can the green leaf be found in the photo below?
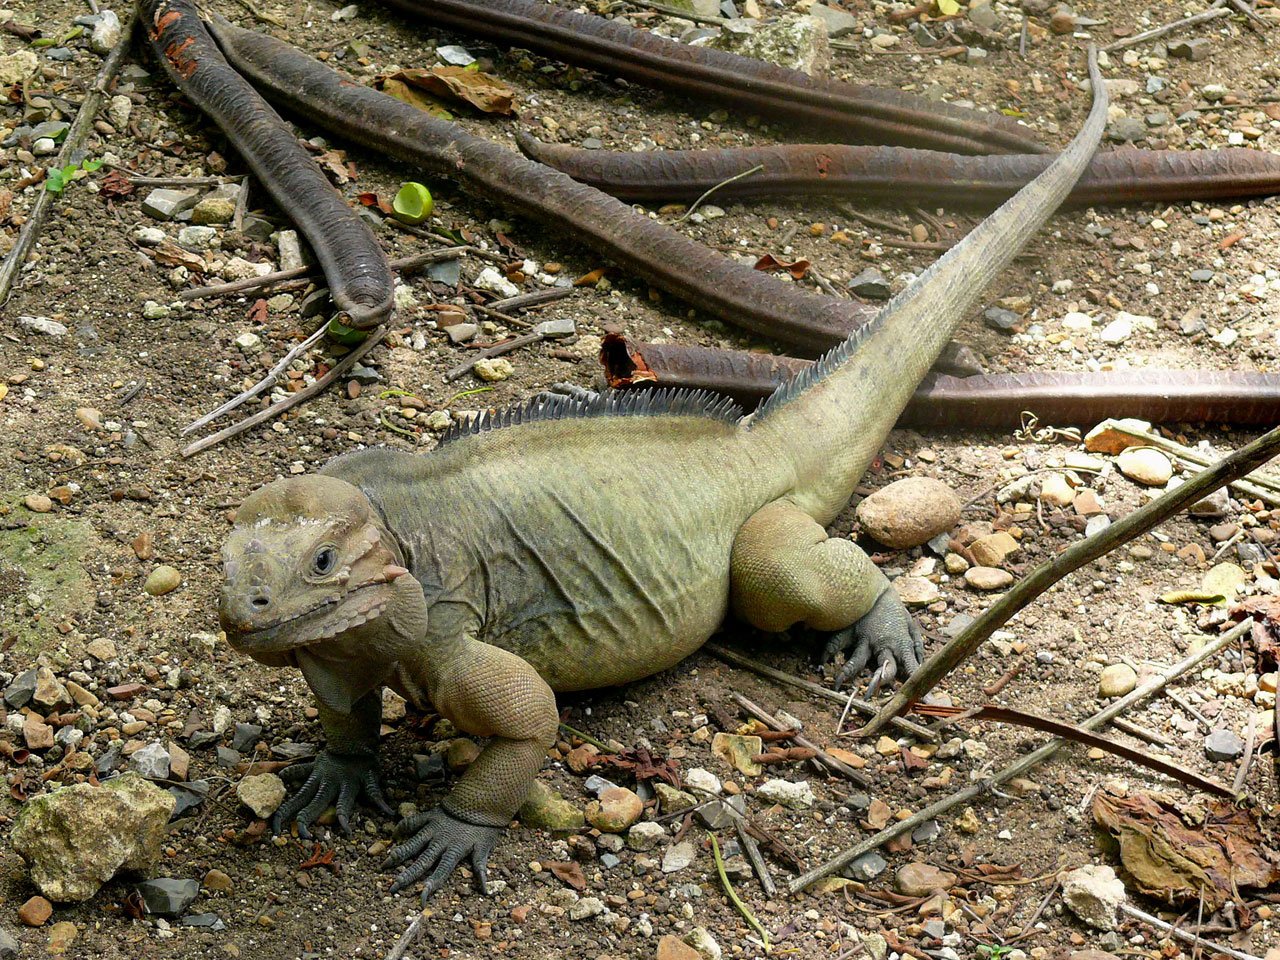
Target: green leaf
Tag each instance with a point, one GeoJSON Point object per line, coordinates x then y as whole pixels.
{"type": "Point", "coordinates": [91, 165]}
{"type": "Point", "coordinates": [413, 203]}
{"type": "Point", "coordinates": [55, 182]}
{"type": "Point", "coordinates": [41, 42]}
{"type": "Point", "coordinates": [948, 8]}
{"type": "Point", "coordinates": [339, 332]}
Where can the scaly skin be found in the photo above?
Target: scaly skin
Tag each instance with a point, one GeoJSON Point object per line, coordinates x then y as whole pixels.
{"type": "Point", "coordinates": [586, 544]}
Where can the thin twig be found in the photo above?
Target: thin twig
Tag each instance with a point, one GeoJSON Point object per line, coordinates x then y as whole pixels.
{"type": "Point", "coordinates": [182, 181]}
{"type": "Point", "coordinates": [733, 894]}
{"type": "Point", "coordinates": [259, 15]}
{"type": "Point", "coordinates": [79, 129]}
{"type": "Point", "coordinates": [871, 221]}
{"type": "Point", "coordinates": [265, 383]}
{"type": "Point", "coordinates": [408, 939]}
{"type": "Point", "coordinates": [1211, 14]}
{"type": "Point", "coordinates": [827, 760]}
{"type": "Point", "coordinates": [497, 351]}
{"type": "Point", "coordinates": [303, 395]}
{"type": "Point", "coordinates": [1022, 764]}
{"type": "Point", "coordinates": [499, 315]}
{"type": "Point", "coordinates": [678, 12]}
{"type": "Point", "coordinates": [242, 206]}
{"type": "Point", "coordinates": [1141, 733]}
{"type": "Point", "coordinates": [862, 706]}
{"type": "Point", "coordinates": [1186, 705]}
{"type": "Point", "coordinates": [1135, 913]}
{"type": "Point", "coordinates": [723, 183]}
{"type": "Point", "coordinates": [536, 299]}
{"type": "Point", "coordinates": [585, 738]}
{"type": "Point", "coordinates": [1250, 741]}
{"type": "Point", "coordinates": [403, 265]}
{"type": "Point", "coordinates": [1238, 464]}
{"type": "Point", "coordinates": [752, 850]}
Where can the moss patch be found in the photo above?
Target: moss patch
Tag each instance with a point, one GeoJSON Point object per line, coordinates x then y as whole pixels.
{"type": "Point", "coordinates": [41, 561]}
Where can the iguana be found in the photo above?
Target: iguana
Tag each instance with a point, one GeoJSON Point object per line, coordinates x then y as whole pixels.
{"type": "Point", "coordinates": [568, 544]}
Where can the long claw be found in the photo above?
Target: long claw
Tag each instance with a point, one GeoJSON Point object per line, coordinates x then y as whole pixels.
{"type": "Point", "coordinates": [343, 778]}
{"type": "Point", "coordinates": [889, 634]}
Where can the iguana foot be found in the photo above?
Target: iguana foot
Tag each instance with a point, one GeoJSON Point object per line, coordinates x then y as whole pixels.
{"type": "Point", "coordinates": [340, 779]}
{"type": "Point", "coordinates": [441, 841]}
{"type": "Point", "coordinates": [889, 633]}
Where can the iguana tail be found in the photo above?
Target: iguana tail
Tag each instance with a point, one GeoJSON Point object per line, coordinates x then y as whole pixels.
{"type": "Point", "coordinates": [829, 422]}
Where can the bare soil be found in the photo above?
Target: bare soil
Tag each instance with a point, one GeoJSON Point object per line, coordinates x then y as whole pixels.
{"type": "Point", "coordinates": [74, 574]}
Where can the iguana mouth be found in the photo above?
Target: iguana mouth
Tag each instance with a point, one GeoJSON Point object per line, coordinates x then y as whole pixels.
{"type": "Point", "coordinates": [324, 621]}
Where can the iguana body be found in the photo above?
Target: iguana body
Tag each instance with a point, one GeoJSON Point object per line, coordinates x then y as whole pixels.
{"type": "Point", "coordinates": [575, 544]}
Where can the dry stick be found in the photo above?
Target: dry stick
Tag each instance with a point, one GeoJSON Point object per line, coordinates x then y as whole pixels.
{"type": "Point", "coordinates": [932, 671]}
{"type": "Point", "coordinates": [678, 12]}
{"type": "Point", "coordinates": [826, 759]}
{"type": "Point", "coordinates": [345, 364]}
{"type": "Point", "coordinates": [182, 181]}
{"type": "Point", "coordinates": [404, 265]}
{"type": "Point", "coordinates": [1021, 765]}
{"type": "Point", "coordinates": [1196, 714]}
{"type": "Point", "coordinates": [752, 850]}
{"type": "Point", "coordinates": [755, 666]}
{"type": "Point", "coordinates": [1141, 733]}
{"type": "Point", "coordinates": [1186, 935]}
{"type": "Point", "coordinates": [408, 939]}
{"type": "Point", "coordinates": [75, 137]}
{"type": "Point", "coordinates": [758, 168]}
{"type": "Point", "coordinates": [499, 315]}
{"type": "Point", "coordinates": [269, 380]}
{"type": "Point", "coordinates": [497, 351]}
{"type": "Point", "coordinates": [1211, 14]}
{"type": "Point", "coordinates": [1250, 741]}
{"type": "Point", "coordinates": [538, 298]}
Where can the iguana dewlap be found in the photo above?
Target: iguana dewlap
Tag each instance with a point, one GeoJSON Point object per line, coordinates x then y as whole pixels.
{"type": "Point", "coordinates": [570, 544]}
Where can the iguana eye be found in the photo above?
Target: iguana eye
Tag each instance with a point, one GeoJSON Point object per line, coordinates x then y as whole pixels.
{"type": "Point", "coordinates": [324, 561]}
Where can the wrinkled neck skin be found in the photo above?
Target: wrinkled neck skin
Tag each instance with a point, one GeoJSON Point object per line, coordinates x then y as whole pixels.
{"type": "Point", "coordinates": [344, 668]}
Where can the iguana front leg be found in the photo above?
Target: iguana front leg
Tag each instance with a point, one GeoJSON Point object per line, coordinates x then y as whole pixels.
{"type": "Point", "coordinates": [492, 693]}
{"type": "Point", "coordinates": [344, 771]}
{"type": "Point", "coordinates": [786, 570]}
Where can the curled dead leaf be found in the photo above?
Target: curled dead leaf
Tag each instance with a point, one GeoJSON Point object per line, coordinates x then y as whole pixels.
{"type": "Point", "coordinates": [797, 268]}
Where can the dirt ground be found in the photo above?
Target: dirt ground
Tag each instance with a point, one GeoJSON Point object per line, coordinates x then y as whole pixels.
{"type": "Point", "coordinates": [92, 418]}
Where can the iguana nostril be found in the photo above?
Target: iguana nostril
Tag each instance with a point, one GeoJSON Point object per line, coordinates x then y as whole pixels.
{"type": "Point", "coordinates": [261, 602]}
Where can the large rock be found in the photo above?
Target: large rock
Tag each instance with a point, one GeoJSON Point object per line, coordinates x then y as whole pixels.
{"type": "Point", "coordinates": [545, 808]}
{"type": "Point", "coordinates": [909, 512]}
{"type": "Point", "coordinates": [1094, 893]}
{"type": "Point", "coordinates": [797, 43]}
{"type": "Point", "coordinates": [75, 839]}
{"type": "Point", "coordinates": [616, 810]}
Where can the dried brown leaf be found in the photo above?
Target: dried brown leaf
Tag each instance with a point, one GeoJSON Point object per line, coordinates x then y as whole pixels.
{"type": "Point", "coordinates": [460, 85]}
{"type": "Point", "coordinates": [797, 268]}
{"type": "Point", "coordinates": [1266, 625]}
{"type": "Point", "coordinates": [1179, 854]}
{"type": "Point", "coordinates": [569, 872]}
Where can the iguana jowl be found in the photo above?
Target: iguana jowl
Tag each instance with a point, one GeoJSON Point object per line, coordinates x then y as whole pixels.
{"type": "Point", "coordinates": [570, 544]}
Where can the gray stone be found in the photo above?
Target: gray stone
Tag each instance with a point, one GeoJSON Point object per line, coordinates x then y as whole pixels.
{"type": "Point", "coordinates": [365, 375]}
{"type": "Point", "coordinates": [290, 249]}
{"type": "Point", "coordinates": [165, 204]}
{"type": "Point", "coordinates": [678, 857]}
{"type": "Point", "coordinates": [797, 43]}
{"type": "Point", "coordinates": [927, 832]}
{"type": "Point", "coordinates": [198, 237]}
{"type": "Point", "coordinates": [559, 327]}
{"type": "Point", "coordinates": [262, 794]}
{"type": "Point", "coordinates": [871, 284]}
{"type": "Point", "coordinates": [106, 33]}
{"type": "Point", "coordinates": [429, 768]}
{"type": "Point", "coordinates": [838, 22]}
{"type": "Point", "coordinates": [119, 110]}
{"type": "Point", "coordinates": [866, 867]}
{"type": "Point", "coordinates": [1126, 130]}
{"type": "Point", "coordinates": [1213, 92]}
{"type": "Point", "coordinates": [448, 272]}
{"type": "Point", "coordinates": [998, 318]}
{"type": "Point", "coordinates": [289, 750]}
{"type": "Point", "coordinates": [227, 757]}
{"type": "Point", "coordinates": [1197, 49]}
{"type": "Point", "coordinates": [1201, 276]}
{"type": "Point", "coordinates": [19, 693]}
{"type": "Point", "coordinates": [609, 860]}
{"type": "Point", "coordinates": [1223, 745]}
{"type": "Point", "coordinates": [76, 838]}
{"type": "Point", "coordinates": [461, 332]}
{"type": "Point", "coordinates": [188, 796]}
{"type": "Point", "coordinates": [645, 835]}
{"type": "Point", "coordinates": [167, 897]}
{"type": "Point", "coordinates": [152, 761]}
{"type": "Point", "coordinates": [586, 908]}
{"type": "Point", "coordinates": [703, 8]}
{"type": "Point", "coordinates": [210, 921]}
{"type": "Point", "coordinates": [45, 325]}
{"type": "Point", "coordinates": [455, 55]}
{"type": "Point", "coordinates": [982, 15]}
{"type": "Point", "coordinates": [110, 758]}
{"type": "Point", "coordinates": [719, 814]}
{"type": "Point", "coordinates": [52, 129]}
{"type": "Point", "coordinates": [8, 945]}
{"type": "Point", "coordinates": [245, 736]}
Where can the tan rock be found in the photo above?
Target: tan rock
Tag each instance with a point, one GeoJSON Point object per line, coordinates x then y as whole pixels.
{"type": "Point", "coordinates": [673, 948]}
{"type": "Point", "coordinates": [990, 551]}
{"type": "Point", "coordinates": [1117, 680]}
{"type": "Point", "coordinates": [908, 512]}
{"type": "Point", "coordinates": [1056, 490]}
{"type": "Point", "coordinates": [988, 578]}
{"type": "Point", "coordinates": [916, 591]}
{"type": "Point", "coordinates": [1145, 465]}
{"type": "Point", "coordinates": [215, 881]}
{"type": "Point", "coordinates": [163, 579]}
{"type": "Point", "coordinates": [616, 810]}
{"type": "Point", "coordinates": [738, 752]}
{"type": "Point", "coordinates": [581, 759]}
{"type": "Point", "coordinates": [37, 734]}
{"type": "Point", "coordinates": [61, 936]}
{"type": "Point", "coordinates": [35, 912]}
{"type": "Point", "coordinates": [461, 753]}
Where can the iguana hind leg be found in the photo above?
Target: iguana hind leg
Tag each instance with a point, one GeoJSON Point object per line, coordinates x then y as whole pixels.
{"type": "Point", "coordinates": [786, 570]}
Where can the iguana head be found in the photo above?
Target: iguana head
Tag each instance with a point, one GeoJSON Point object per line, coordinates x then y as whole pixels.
{"type": "Point", "coordinates": [306, 562]}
